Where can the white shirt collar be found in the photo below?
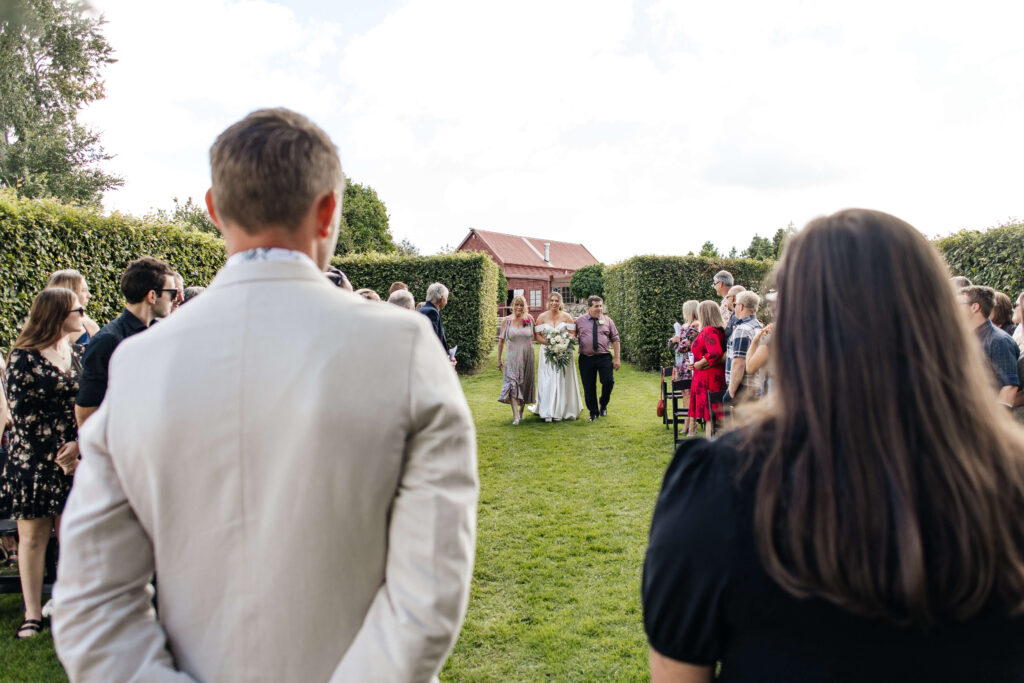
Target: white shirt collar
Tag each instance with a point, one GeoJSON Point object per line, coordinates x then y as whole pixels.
{"type": "Point", "coordinates": [268, 254]}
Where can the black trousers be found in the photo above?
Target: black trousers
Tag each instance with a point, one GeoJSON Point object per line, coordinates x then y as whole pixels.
{"type": "Point", "coordinates": [590, 368]}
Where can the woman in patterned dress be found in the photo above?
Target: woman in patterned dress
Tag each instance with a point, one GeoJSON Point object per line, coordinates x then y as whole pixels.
{"type": "Point", "coordinates": [682, 344]}
{"type": "Point", "coordinates": [708, 362]}
{"type": "Point", "coordinates": [42, 379]}
{"type": "Point", "coordinates": [519, 378]}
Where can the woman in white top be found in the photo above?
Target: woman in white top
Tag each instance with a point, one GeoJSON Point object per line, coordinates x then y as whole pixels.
{"type": "Point", "coordinates": [558, 390]}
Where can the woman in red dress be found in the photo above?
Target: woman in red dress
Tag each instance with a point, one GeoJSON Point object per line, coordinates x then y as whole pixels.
{"type": "Point", "coordinates": [708, 361]}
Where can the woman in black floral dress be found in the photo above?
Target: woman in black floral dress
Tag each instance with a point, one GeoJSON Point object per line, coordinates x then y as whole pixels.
{"type": "Point", "coordinates": [42, 380]}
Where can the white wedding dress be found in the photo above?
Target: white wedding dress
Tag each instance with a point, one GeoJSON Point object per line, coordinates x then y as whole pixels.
{"type": "Point", "coordinates": [558, 391]}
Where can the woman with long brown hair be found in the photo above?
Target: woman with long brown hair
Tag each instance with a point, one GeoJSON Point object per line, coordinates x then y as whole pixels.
{"type": "Point", "coordinates": [75, 281]}
{"type": "Point", "coordinates": [42, 379]}
{"type": "Point", "coordinates": [867, 524]}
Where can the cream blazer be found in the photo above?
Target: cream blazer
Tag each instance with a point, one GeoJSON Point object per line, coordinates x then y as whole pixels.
{"type": "Point", "coordinates": [298, 467]}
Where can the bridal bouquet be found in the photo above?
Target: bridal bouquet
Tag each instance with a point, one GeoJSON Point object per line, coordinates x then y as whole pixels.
{"type": "Point", "coordinates": [559, 349]}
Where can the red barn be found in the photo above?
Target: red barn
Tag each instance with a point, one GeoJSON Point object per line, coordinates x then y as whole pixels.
{"type": "Point", "coordinates": [533, 267]}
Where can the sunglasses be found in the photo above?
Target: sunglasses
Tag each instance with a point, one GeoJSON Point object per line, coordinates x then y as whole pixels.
{"type": "Point", "coordinates": [174, 292]}
{"type": "Point", "coordinates": [79, 311]}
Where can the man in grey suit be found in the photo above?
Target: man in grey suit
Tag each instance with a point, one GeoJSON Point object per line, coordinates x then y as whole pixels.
{"type": "Point", "coordinates": [297, 465]}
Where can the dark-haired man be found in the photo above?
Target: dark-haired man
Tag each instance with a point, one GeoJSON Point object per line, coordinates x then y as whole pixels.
{"type": "Point", "coordinates": [1000, 349]}
{"type": "Point", "coordinates": [150, 290]}
{"type": "Point", "coordinates": [597, 336]}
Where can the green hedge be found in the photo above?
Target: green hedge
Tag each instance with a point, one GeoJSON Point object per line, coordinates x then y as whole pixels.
{"type": "Point", "coordinates": [994, 257]}
{"type": "Point", "coordinates": [644, 295]}
{"type": "Point", "coordinates": [470, 318]}
{"type": "Point", "coordinates": [39, 237]}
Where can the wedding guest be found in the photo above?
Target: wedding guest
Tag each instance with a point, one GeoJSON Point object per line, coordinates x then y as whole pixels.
{"type": "Point", "coordinates": [1018, 317]}
{"type": "Point", "coordinates": [437, 299]}
{"type": "Point", "coordinates": [338, 278]}
{"type": "Point", "coordinates": [730, 303]}
{"type": "Point", "coordinates": [192, 293]}
{"type": "Point", "coordinates": [403, 298]}
{"type": "Point", "coordinates": [42, 379]}
{"type": "Point", "coordinates": [682, 347]}
{"type": "Point", "coordinates": [708, 362]}
{"type": "Point", "coordinates": [838, 536]}
{"type": "Point", "coordinates": [758, 356]}
{"type": "Point", "coordinates": [395, 286]}
{"type": "Point", "coordinates": [149, 289]}
{"type": "Point", "coordinates": [959, 282]}
{"type": "Point", "coordinates": [518, 380]}
{"type": "Point", "coordinates": [597, 335]}
{"type": "Point", "coordinates": [73, 280]}
{"type": "Point", "coordinates": [1002, 352]}
{"type": "Point", "coordinates": [1002, 313]}
{"type": "Point", "coordinates": [723, 282]}
{"type": "Point", "coordinates": [179, 295]}
{"type": "Point", "coordinates": [368, 294]}
{"type": "Point", "coordinates": [262, 418]}
{"type": "Point", "coordinates": [737, 377]}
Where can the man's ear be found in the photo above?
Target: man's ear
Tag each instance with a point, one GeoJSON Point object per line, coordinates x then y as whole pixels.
{"type": "Point", "coordinates": [212, 210]}
{"type": "Point", "coordinates": [151, 297]}
{"type": "Point", "coordinates": [325, 208]}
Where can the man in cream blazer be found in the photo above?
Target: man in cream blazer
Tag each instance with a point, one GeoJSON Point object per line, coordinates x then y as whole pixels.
{"type": "Point", "coordinates": [297, 465]}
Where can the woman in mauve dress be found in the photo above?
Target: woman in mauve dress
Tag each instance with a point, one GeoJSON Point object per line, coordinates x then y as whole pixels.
{"type": "Point", "coordinates": [519, 379]}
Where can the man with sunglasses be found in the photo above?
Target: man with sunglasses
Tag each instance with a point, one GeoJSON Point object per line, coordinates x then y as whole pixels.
{"type": "Point", "coordinates": [150, 291]}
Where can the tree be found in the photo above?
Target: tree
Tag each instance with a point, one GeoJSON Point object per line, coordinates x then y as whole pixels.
{"type": "Point", "coordinates": [781, 236]}
{"type": "Point", "coordinates": [760, 248]}
{"type": "Point", "coordinates": [364, 221]}
{"type": "Point", "coordinates": [732, 253]}
{"type": "Point", "coordinates": [709, 250]}
{"type": "Point", "coordinates": [587, 281]}
{"type": "Point", "coordinates": [51, 55]}
{"type": "Point", "coordinates": [407, 248]}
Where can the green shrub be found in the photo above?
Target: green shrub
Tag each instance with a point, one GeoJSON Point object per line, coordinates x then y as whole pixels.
{"type": "Point", "coordinates": [587, 281]}
{"type": "Point", "coordinates": [644, 295]}
{"type": "Point", "coordinates": [470, 318]}
{"type": "Point", "coordinates": [39, 237]}
{"type": "Point", "coordinates": [994, 257]}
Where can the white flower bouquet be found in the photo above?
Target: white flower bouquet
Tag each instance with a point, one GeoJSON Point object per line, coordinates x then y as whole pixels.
{"type": "Point", "coordinates": [559, 348]}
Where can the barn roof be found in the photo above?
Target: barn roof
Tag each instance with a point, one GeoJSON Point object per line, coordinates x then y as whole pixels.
{"type": "Point", "coordinates": [529, 251]}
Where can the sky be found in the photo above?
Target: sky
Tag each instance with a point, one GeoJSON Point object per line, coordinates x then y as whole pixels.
{"type": "Point", "coordinates": [630, 127]}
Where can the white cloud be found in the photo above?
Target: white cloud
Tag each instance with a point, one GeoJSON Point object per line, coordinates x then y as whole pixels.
{"type": "Point", "coordinates": [630, 126]}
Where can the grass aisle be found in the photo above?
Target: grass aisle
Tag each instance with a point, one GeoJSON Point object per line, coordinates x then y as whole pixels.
{"type": "Point", "coordinates": [564, 513]}
{"type": "Point", "coordinates": [564, 509]}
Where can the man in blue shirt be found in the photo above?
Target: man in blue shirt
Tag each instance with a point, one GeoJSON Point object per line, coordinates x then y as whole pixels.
{"type": "Point", "coordinates": [437, 299]}
{"type": "Point", "coordinates": [747, 325]}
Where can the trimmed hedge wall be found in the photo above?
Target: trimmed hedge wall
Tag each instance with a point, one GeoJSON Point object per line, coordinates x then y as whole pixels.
{"type": "Point", "coordinates": [470, 318]}
{"type": "Point", "coordinates": [644, 295]}
{"type": "Point", "coordinates": [39, 237]}
{"type": "Point", "coordinates": [994, 258]}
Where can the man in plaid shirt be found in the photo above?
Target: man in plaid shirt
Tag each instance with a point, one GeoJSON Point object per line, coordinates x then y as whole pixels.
{"type": "Point", "coordinates": [1000, 349]}
{"type": "Point", "coordinates": [747, 325]}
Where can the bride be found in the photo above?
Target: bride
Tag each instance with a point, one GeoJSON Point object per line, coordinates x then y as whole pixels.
{"type": "Point", "coordinates": [558, 391]}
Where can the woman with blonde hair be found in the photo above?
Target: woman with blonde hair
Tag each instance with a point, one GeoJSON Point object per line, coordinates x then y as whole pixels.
{"type": "Point", "coordinates": [868, 525]}
{"type": "Point", "coordinates": [75, 281]}
{"type": "Point", "coordinates": [518, 378]}
{"type": "Point", "coordinates": [42, 379]}
{"type": "Point", "coordinates": [558, 389]}
{"type": "Point", "coordinates": [708, 364]}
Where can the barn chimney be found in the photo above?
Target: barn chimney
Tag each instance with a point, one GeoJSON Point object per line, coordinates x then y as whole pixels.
{"type": "Point", "coordinates": [547, 252]}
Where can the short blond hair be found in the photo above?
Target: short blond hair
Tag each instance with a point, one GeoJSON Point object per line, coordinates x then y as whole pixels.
{"type": "Point", "coordinates": [520, 299]}
{"type": "Point", "coordinates": [270, 167]}
{"type": "Point", "coordinates": [690, 310]}
{"type": "Point", "coordinates": [749, 300]}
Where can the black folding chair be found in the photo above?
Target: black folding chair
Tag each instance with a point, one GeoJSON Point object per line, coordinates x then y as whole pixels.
{"type": "Point", "coordinates": [712, 424]}
{"type": "Point", "coordinates": [680, 410]}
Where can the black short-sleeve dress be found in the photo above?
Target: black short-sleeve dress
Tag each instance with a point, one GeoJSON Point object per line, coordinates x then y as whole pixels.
{"type": "Point", "coordinates": [42, 400]}
{"type": "Point", "coordinates": [707, 598]}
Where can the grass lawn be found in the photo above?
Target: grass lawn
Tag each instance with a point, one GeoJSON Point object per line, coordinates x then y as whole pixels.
{"type": "Point", "coordinates": [564, 510]}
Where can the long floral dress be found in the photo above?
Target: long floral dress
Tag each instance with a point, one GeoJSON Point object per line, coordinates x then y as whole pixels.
{"type": "Point", "coordinates": [710, 344]}
{"type": "Point", "coordinates": [42, 400]}
{"type": "Point", "coordinates": [684, 348]}
{"type": "Point", "coordinates": [519, 381]}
